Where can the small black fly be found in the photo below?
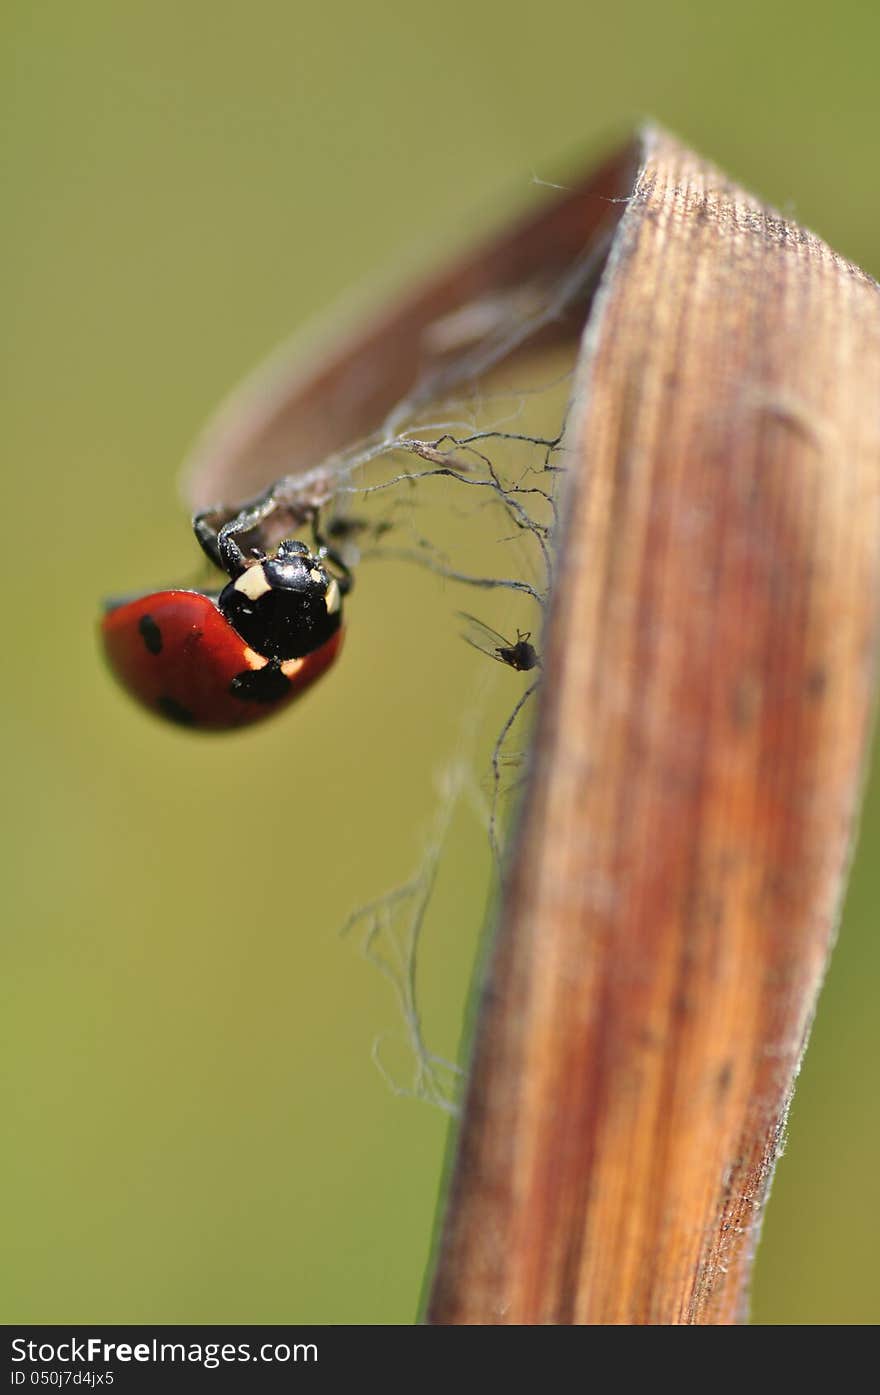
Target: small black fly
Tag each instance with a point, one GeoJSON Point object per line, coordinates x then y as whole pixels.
{"type": "Point", "coordinates": [519, 655]}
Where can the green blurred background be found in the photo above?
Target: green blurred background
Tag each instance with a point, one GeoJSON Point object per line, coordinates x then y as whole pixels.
{"type": "Point", "coordinates": [198, 1132]}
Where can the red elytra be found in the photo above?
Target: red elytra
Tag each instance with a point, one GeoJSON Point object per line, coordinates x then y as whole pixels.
{"type": "Point", "coordinates": [175, 653]}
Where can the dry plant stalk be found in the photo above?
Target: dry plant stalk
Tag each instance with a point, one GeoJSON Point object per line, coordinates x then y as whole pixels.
{"type": "Point", "coordinates": [710, 656]}
{"type": "Point", "coordinates": [685, 839]}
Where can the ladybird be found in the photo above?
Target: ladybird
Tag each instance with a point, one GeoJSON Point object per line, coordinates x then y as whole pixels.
{"type": "Point", "coordinates": [216, 661]}
{"type": "Point", "coordinates": [519, 655]}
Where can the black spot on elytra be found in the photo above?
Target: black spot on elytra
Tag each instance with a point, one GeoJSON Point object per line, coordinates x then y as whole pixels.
{"type": "Point", "coordinates": [176, 712]}
{"type": "Point", "coordinates": [150, 633]}
{"type": "Point", "coordinates": [260, 685]}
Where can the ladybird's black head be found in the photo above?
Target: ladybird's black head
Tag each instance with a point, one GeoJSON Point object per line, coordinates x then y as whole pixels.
{"type": "Point", "coordinates": [284, 605]}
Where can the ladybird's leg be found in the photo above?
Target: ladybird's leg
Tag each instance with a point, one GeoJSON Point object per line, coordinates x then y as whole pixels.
{"type": "Point", "coordinates": [207, 531]}
{"type": "Point", "coordinates": [219, 528]}
{"type": "Point", "coordinates": [216, 527]}
{"type": "Point", "coordinates": [345, 580]}
{"type": "Point", "coordinates": [232, 558]}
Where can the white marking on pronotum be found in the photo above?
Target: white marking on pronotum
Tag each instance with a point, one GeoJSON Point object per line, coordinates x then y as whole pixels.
{"type": "Point", "coordinates": [252, 583]}
{"type": "Point", "coordinates": [332, 597]}
{"type": "Point", "coordinates": [254, 660]}
{"type": "Point", "coordinates": [316, 575]}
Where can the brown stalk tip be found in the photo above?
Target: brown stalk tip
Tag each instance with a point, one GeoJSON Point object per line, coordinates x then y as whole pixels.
{"type": "Point", "coordinates": [681, 857]}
